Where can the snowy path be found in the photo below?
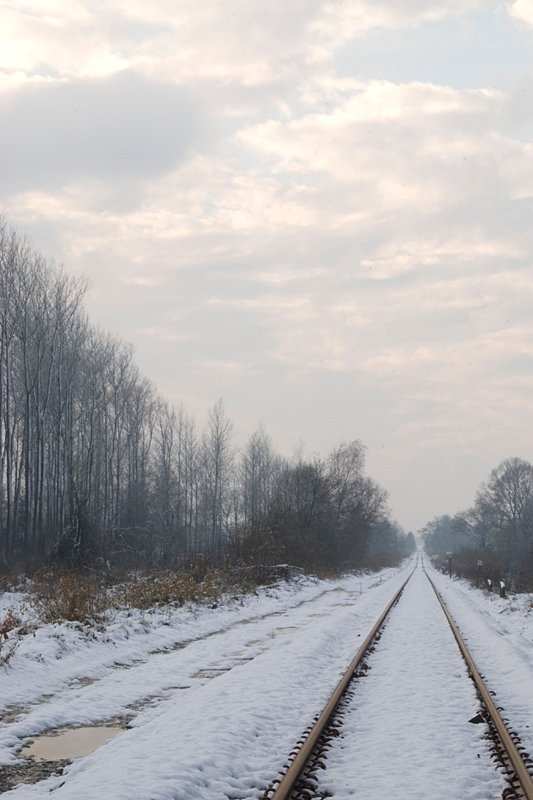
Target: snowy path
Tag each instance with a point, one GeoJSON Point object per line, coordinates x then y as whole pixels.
{"type": "Point", "coordinates": [57, 656]}
{"type": "Point", "coordinates": [227, 736]}
{"type": "Point", "coordinates": [216, 730]}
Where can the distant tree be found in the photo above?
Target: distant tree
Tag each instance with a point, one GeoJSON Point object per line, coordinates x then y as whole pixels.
{"type": "Point", "coordinates": [95, 468]}
{"type": "Point", "coordinates": [504, 507]}
{"type": "Point", "coordinates": [445, 534]}
{"type": "Point", "coordinates": [256, 469]}
{"type": "Point", "coordinates": [216, 464]}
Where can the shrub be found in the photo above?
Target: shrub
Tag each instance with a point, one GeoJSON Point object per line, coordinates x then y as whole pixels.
{"type": "Point", "coordinates": [8, 622]}
{"type": "Point", "coordinates": [245, 578]}
{"type": "Point", "coordinates": [168, 587]}
{"type": "Point", "coordinates": [58, 596]}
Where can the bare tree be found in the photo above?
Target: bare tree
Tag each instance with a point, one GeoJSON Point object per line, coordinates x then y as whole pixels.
{"type": "Point", "coordinates": [216, 460]}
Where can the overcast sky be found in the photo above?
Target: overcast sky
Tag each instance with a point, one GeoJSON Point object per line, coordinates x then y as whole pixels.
{"type": "Point", "coordinates": [319, 210]}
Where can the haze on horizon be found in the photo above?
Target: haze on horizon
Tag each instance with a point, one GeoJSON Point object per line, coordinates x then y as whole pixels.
{"type": "Point", "coordinates": [319, 211]}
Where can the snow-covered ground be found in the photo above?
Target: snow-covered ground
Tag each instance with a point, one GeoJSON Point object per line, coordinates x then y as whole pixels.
{"type": "Point", "coordinates": [407, 733]}
{"type": "Point", "coordinates": [198, 728]}
{"type": "Point", "coordinates": [499, 634]}
{"type": "Point", "coordinates": [217, 697]}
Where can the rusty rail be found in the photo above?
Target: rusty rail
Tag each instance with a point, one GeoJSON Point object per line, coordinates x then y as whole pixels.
{"type": "Point", "coordinates": [290, 778]}
{"type": "Point", "coordinates": [518, 765]}
{"type": "Point", "coordinates": [286, 785]}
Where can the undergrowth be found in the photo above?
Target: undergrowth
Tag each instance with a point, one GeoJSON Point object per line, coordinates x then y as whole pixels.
{"type": "Point", "coordinates": [10, 623]}
{"type": "Point", "coordinates": [174, 588]}
{"type": "Point", "coordinates": [58, 596]}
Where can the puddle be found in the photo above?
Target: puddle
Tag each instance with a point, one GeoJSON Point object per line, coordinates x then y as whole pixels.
{"type": "Point", "coordinates": [68, 744]}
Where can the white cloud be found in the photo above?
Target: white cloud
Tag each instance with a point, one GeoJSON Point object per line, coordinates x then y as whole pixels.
{"type": "Point", "coordinates": [252, 44]}
{"type": "Point", "coordinates": [522, 10]}
{"type": "Point", "coordinates": [398, 257]}
{"type": "Point", "coordinates": [340, 21]}
{"type": "Point", "coordinates": [315, 228]}
{"type": "Point", "coordinates": [54, 38]}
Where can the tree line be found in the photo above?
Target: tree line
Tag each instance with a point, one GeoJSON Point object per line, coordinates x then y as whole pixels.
{"type": "Point", "coordinates": [96, 468]}
{"type": "Point", "coordinates": [496, 531]}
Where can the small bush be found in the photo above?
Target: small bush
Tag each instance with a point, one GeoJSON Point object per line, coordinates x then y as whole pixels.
{"type": "Point", "coordinates": [67, 596]}
{"type": "Point", "coordinates": [246, 578]}
{"type": "Point", "coordinates": [383, 560]}
{"type": "Point", "coordinates": [168, 587]}
{"type": "Point", "coordinates": [8, 622]}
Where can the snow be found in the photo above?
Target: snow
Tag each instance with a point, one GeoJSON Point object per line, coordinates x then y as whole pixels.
{"type": "Point", "coordinates": [321, 612]}
{"type": "Point", "coordinates": [55, 656]}
{"type": "Point", "coordinates": [499, 634]}
{"type": "Point", "coordinates": [193, 736]}
{"type": "Point", "coordinates": [408, 726]}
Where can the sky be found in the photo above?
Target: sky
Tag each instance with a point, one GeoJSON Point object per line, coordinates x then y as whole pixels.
{"type": "Point", "coordinates": [319, 210]}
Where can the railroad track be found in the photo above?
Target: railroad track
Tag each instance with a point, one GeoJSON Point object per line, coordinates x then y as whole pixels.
{"type": "Point", "coordinates": [301, 778]}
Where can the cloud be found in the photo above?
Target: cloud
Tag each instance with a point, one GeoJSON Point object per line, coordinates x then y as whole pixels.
{"type": "Point", "coordinates": [55, 37]}
{"type": "Point", "coordinates": [395, 258]}
{"type": "Point", "coordinates": [378, 133]}
{"type": "Point", "coordinates": [522, 10]}
{"type": "Point", "coordinates": [125, 127]}
{"type": "Point", "coordinates": [339, 22]}
{"type": "Point", "coordinates": [257, 209]}
{"type": "Point", "coordinates": [251, 44]}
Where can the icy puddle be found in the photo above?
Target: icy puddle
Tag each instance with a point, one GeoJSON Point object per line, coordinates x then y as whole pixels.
{"type": "Point", "coordinates": [69, 744]}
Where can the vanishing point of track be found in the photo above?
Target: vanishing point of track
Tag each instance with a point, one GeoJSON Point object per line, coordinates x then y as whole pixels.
{"type": "Point", "coordinates": [299, 781]}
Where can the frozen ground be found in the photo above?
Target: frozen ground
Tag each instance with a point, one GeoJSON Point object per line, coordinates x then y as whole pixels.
{"type": "Point", "coordinates": [215, 698]}
{"type": "Point", "coordinates": [499, 634]}
{"type": "Point", "coordinates": [407, 733]}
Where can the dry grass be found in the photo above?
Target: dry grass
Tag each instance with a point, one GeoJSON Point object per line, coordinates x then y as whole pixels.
{"type": "Point", "coordinates": [58, 596]}
{"type": "Point", "coordinates": [9, 623]}
{"type": "Point", "coordinates": [174, 588]}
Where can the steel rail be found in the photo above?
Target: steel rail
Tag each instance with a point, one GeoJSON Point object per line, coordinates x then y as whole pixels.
{"type": "Point", "coordinates": [290, 778]}
{"type": "Point", "coordinates": [509, 746]}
